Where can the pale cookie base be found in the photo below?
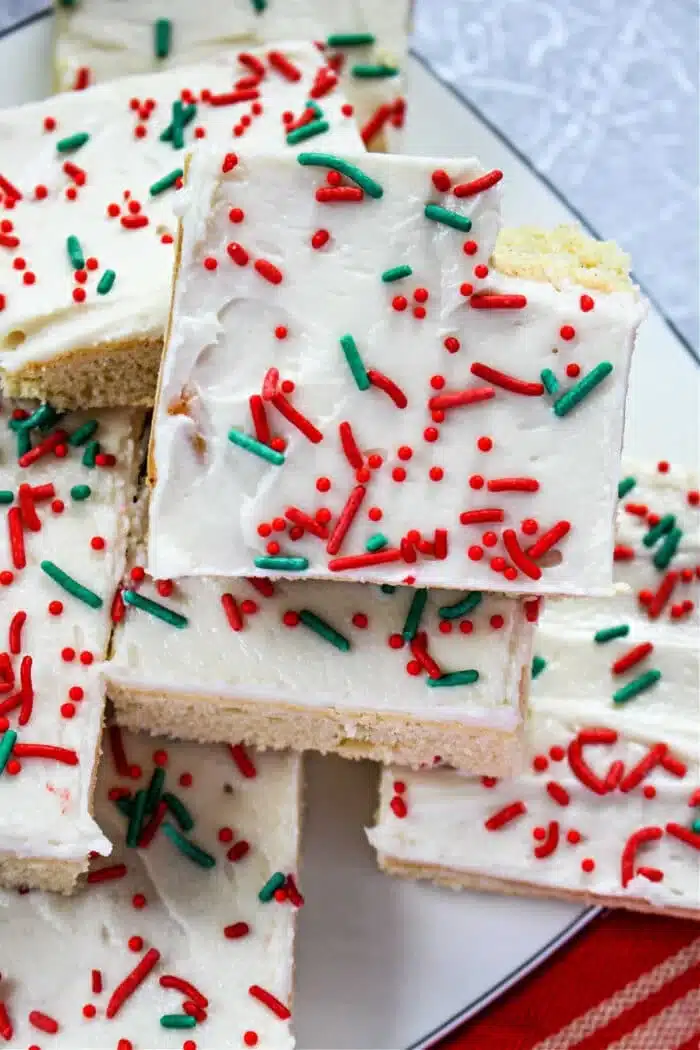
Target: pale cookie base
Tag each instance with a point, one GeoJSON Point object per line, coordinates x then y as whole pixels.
{"type": "Point", "coordinates": [352, 734]}
{"type": "Point", "coordinates": [465, 880]}
{"type": "Point", "coordinates": [110, 376]}
{"type": "Point", "coordinates": [562, 256]}
{"type": "Point", "coordinates": [38, 873]}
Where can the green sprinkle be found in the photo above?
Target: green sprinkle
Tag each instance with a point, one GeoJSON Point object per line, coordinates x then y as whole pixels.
{"type": "Point", "coordinates": [44, 416]}
{"type": "Point", "coordinates": [275, 882]}
{"type": "Point", "coordinates": [415, 612]}
{"type": "Point", "coordinates": [7, 742]}
{"type": "Point", "coordinates": [75, 253]}
{"type": "Point", "coordinates": [352, 356]}
{"type": "Point", "coordinates": [606, 634]}
{"type": "Point", "coordinates": [638, 685]}
{"type": "Point", "coordinates": [166, 182]}
{"type": "Point", "coordinates": [178, 125]}
{"type": "Point", "coordinates": [456, 678]}
{"type": "Point", "coordinates": [90, 453]}
{"type": "Point", "coordinates": [106, 281]}
{"type": "Point", "coordinates": [250, 444]}
{"type": "Point", "coordinates": [178, 1021]}
{"type": "Point", "coordinates": [367, 72]}
{"type": "Point", "coordinates": [668, 548]}
{"type": "Point", "coordinates": [312, 104]}
{"type": "Point", "coordinates": [72, 142]}
{"type": "Point", "coordinates": [282, 563]}
{"type": "Point", "coordinates": [655, 533]}
{"type": "Point", "coordinates": [350, 39]}
{"type": "Point", "coordinates": [396, 273]}
{"type": "Point", "coordinates": [6, 496]}
{"type": "Point", "coordinates": [324, 630]}
{"type": "Point", "coordinates": [549, 381]}
{"type": "Point", "coordinates": [387, 588]}
{"type": "Point", "coordinates": [375, 543]}
{"type": "Point", "coordinates": [138, 812]}
{"type": "Point", "coordinates": [179, 810]}
{"type": "Point", "coordinates": [83, 433]}
{"type": "Point", "coordinates": [625, 486]}
{"type": "Point", "coordinates": [307, 131]}
{"type": "Point", "coordinates": [462, 607]}
{"type": "Point", "coordinates": [259, 5]}
{"type": "Point", "coordinates": [538, 666]}
{"type": "Point", "coordinates": [161, 612]}
{"type": "Point", "coordinates": [50, 416]}
{"type": "Point", "coordinates": [449, 218]}
{"type": "Point", "coordinates": [80, 492]}
{"type": "Point", "coordinates": [24, 442]}
{"type": "Point", "coordinates": [162, 36]}
{"type": "Point", "coordinates": [186, 115]}
{"type": "Point", "coordinates": [351, 171]}
{"type": "Point", "coordinates": [695, 826]}
{"type": "Point", "coordinates": [190, 849]}
{"type": "Point", "coordinates": [72, 586]}
{"type": "Point", "coordinates": [155, 788]}
{"type": "Point", "coordinates": [125, 805]}
{"type": "Point", "coordinates": [582, 389]}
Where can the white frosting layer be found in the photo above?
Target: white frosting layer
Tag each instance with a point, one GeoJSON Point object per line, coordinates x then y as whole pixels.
{"type": "Point", "coordinates": [187, 908]}
{"type": "Point", "coordinates": [113, 37]}
{"type": "Point", "coordinates": [446, 813]}
{"type": "Point", "coordinates": [45, 808]}
{"type": "Point", "coordinates": [41, 320]}
{"type": "Point", "coordinates": [271, 660]}
{"type": "Point", "coordinates": [211, 497]}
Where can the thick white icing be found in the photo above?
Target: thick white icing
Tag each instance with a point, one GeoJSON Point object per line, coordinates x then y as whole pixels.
{"type": "Point", "coordinates": [40, 321]}
{"type": "Point", "coordinates": [113, 38]}
{"type": "Point", "coordinates": [444, 825]}
{"type": "Point", "coordinates": [187, 908]}
{"type": "Point", "coordinates": [45, 808]}
{"type": "Point", "coordinates": [269, 661]}
{"type": "Point", "coordinates": [209, 502]}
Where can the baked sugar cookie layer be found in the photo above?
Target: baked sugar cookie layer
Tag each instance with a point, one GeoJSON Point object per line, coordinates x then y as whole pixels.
{"type": "Point", "coordinates": [391, 674]}
{"type": "Point", "coordinates": [191, 912]}
{"type": "Point", "coordinates": [355, 349]}
{"type": "Point", "coordinates": [608, 808]}
{"type": "Point", "coordinates": [66, 486]}
{"type": "Point", "coordinates": [87, 194]}
{"type": "Point", "coordinates": [364, 43]}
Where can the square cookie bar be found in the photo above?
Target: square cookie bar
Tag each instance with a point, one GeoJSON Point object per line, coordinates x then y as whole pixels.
{"type": "Point", "coordinates": [386, 673]}
{"type": "Point", "coordinates": [185, 936]}
{"type": "Point", "coordinates": [608, 809]}
{"type": "Point", "coordinates": [87, 195]}
{"type": "Point", "coordinates": [363, 44]}
{"type": "Point", "coordinates": [354, 350]}
{"type": "Point", "coordinates": [66, 484]}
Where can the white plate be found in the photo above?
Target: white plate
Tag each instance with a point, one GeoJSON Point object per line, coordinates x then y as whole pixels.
{"type": "Point", "coordinates": [386, 963]}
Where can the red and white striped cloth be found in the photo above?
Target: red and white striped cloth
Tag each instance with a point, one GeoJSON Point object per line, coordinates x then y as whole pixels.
{"type": "Point", "coordinates": [629, 982]}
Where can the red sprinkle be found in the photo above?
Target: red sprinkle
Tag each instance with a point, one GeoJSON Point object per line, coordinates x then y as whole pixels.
{"type": "Point", "coordinates": [505, 816]}
{"type": "Point", "coordinates": [268, 270]}
{"type": "Point", "coordinates": [267, 999]}
{"type": "Point", "coordinates": [114, 871]}
{"type": "Point", "coordinates": [236, 930]}
{"type": "Point", "coordinates": [328, 194]}
{"type": "Point", "coordinates": [634, 842]}
{"type": "Point", "coordinates": [518, 556]}
{"type": "Point", "coordinates": [484, 516]}
{"type": "Point", "coordinates": [244, 763]}
{"type": "Point", "coordinates": [43, 1022]}
{"type": "Point", "coordinates": [365, 561]}
{"type": "Point", "coordinates": [558, 793]}
{"type": "Point", "coordinates": [293, 416]}
{"type": "Point", "coordinates": [350, 448]}
{"type": "Point", "coordinates": [550, 843]}
{"type": "Point", "coordinates": [345, 519]}
{"type": "Point", "coordinates": [398, 807]}
{"type": "Point", "coordinates": [388, 386]}
{"type": "Point", "coordinates": [282, 64]}
{"type": "Point", "coordinates": [484, 182]}
{"type": "Point", "coordinates": [549, 539]}
{"type": "Point", "coordinates": [488, 301]}
{"type": "Point", "coordinates": [131, 982]}
{"type": "Point", "coordinates": [513, 485]}
{"type": "Point", "coordinates": [632, 657]}
{"type": "Point", "coordinates": [461, 397]}
{"type": "Point", "coordinates": [230, 607]}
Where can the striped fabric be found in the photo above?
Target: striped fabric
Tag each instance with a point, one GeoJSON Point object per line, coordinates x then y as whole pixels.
{"type": "Point", "coordinates": [629, 982]}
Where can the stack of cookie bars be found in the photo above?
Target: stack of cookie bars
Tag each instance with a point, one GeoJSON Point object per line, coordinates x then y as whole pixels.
{"type": "Point", "coordinates": [384, 430]}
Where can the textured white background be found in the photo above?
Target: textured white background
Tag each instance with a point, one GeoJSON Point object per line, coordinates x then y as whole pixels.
{"type": "Point", "coordinates": [600, 96]}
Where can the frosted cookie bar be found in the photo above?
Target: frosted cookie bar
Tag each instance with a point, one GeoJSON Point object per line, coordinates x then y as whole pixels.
{"type": "Point", "coordinates": [363, 44]}
{"type": "Point", "coordinates": [608, 808]}
{"type": "Point", "coordinates": [88, 188]}
{"type": "Point", "coordinates": [184, 937]}
{"type": "Point", "coordinates": [66, 483]}
{"type": "Point", "coordinates": [388, 371]}
{"type": "Point", "coordinates": [368, 672]}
